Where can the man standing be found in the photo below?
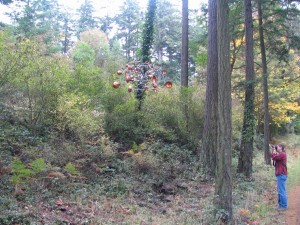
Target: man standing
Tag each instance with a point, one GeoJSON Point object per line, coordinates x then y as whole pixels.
{"type": "Point", "coordinates": [279, 157]}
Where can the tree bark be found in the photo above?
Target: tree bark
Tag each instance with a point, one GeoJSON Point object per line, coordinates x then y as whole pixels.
{"type": "Point", "coordinates": [209, 138]}
{"type": "Point", "coordinates": [265, 85]}
{"type": "Point", "coordinates": [223, 186]}
{"type": "Point", "coordinates": [246, 150]}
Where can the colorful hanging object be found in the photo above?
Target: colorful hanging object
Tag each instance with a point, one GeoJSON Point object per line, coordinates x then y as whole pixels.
{"type": "Point", "coordinates": [143, 76]}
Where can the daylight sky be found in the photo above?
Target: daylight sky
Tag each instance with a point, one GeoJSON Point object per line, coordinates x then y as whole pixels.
{"type": "Point", "coordinates": [109, 7]}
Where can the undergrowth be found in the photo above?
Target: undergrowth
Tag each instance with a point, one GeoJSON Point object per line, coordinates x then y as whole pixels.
{"type": "Point", "coordinates": [96, 182]}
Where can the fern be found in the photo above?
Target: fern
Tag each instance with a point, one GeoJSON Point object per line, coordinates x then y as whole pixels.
{"type": "Point", "coordinates": [38, 166]}
{"type": "Point", "coordinates": [71, 169]}
{"type": "Point", "coordinates": [20, 172]}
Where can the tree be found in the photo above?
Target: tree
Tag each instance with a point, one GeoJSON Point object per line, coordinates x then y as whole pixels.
{"type": "Point", "coordinates": [129, 23]}
{"type": "Point", "coordinates": [67, 30]}
{"type": "Point", "coordinates": [6, 2]}
{"type": "Point", "coordinates": [86, 19]}
{"type": "Point", "coordinates": [167, 38]}
{"type": "Point", "coordinates": [275, 36]}
{"type": "Point", "coordinates": [148, 31]}
{"type": "Point", "coordinates": [41, 80]}
{"type": "Point", "coordinates": [223, 187]}
{"type": "Point", "coordinates": [185, 44]}
{"type": "Point", "coordinates": [265, 84]}
{"type": "Point", "coordinates": [246, 149]}
{"type": "Point", "coordinates": [209, 139]}
{"type": "Point", "coordinates": [9, 60]}
{"type": "Point", "coordinates": [39, 18]}
{"type": "Point", "coordinates": [147, 41]}
{"type": "Point", "coordinates": [98, 40]}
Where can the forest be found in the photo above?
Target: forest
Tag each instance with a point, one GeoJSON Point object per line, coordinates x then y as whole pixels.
{"type": "Point", "coordinates": [157, 115]}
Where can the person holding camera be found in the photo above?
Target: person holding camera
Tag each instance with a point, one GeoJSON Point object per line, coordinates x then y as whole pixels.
{"type": "Point", "coordinates": [279, 161]}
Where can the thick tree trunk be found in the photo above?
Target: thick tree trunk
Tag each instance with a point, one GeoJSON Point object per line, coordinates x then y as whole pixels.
{"type": "Point", "coordinates": [265, 85]}
{"type": "Point", "coordinates": [246, 150]}
{"type": "Point", "coordinates": [223, 187]}
{"type": "Point", "coordinates": [209, 139]}
{"type": "Point", "coordinates": [185, 43]}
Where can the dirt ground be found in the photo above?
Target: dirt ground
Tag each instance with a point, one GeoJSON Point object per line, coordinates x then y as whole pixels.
{"type": "Point", "coordinates": [292, 215]}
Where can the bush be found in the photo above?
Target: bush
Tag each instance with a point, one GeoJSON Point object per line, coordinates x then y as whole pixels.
{"type": "Point", "coordinates": [75, 116]}
{"type": "Point", "coordinates": [168, 115]}
{"type": "Point", "coordinates": [125, 123]}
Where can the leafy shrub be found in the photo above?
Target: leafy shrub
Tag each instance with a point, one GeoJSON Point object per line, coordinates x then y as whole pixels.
{"type": "Point", "coordinates": [75, 115]}
{"type": "Point", "coordinates": [175, 115]}
{"type": "Point", "coordinates": [125, 123]}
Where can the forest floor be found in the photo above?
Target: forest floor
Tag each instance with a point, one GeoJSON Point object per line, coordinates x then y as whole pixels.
{"type": "Point", "coordinates": [140, 188]}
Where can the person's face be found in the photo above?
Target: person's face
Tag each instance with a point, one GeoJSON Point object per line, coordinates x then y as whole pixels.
{"type": "Point", "coordinates": [279, 148]}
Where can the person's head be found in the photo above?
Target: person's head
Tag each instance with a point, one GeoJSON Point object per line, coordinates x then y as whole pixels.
{"type": "Point", "coordinates": [280, 148]}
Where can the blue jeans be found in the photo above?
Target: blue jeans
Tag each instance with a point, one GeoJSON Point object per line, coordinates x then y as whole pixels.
{"type": "Point", "coordinates": [281, 190]}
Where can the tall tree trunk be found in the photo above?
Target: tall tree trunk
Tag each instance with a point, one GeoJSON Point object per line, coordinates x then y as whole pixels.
{"type": "Point", "coordinates": [265, 85]}
{"type": "Point", "coordinates": [209, 139]}
{"type": "Point", "coordinates": [223, 187]}
{"type": "Point", "coordinates": [184, 60]}
{"type": "Point", "coordinates": [246, 150]}
{"type": "Point", "coordinates": [185, 43]}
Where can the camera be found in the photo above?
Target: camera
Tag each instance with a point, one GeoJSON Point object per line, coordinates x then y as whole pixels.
{"type": "Point", "coordinates": [273, 147]}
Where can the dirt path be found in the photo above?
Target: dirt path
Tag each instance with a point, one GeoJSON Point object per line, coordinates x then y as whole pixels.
{"type": "Point", "coordinates": [292, 215]}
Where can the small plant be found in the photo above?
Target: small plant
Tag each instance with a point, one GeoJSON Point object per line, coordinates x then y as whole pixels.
{"type": "Point", "coordinates": [38, 166]}
{"type": "Point", "coordinates": [135, 147]}
{"type": "Point", "coordinates": [72, 169]}
{"type": "Point", "coordinates": [20, 172]}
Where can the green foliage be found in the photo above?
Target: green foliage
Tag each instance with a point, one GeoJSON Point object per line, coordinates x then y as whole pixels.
{"type": "Point", "coordinates": [148, 31]}
{"type": "Point", "coordinates": [294, 178]}
{"type": "Point", "coordinates": [129, 19]}
{"type": "Point", "coordinates": [40, 80]}
{"type": "Point", "coordinates": [261, 211]}
{"type": "Point", "coordinates": [125, 123]}
{"type": "Point", "coordinates": [74, 115]}
{"type": "Point", "coordinates": [20, 172]}
{"type": "Point", "coordinates": [162, 116]}
{"type": "Point", "coordinates": [9, 60]}
{"type": "Point", "coordinates": [71, 169]}
{"type": "Point", "coordinates": [118, 188]}
{"type": "Point", "coordinates": [38, 166]}
{"type": "Point", "coordinates": [86, 21]}
{"type": "Point", "coordinates": [83, 54]}
{"type": "Point", "coordinates": [168, 118]}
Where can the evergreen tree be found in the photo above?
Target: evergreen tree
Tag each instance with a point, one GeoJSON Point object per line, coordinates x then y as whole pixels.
{"type": "Point", "coordinates": [129, 24]}
{"type": "Point", "coordinates": [223, 187]}
{"type": "Point", "coordinates": [67, 31]}
{"type": "Point", "coordinates": [210, 132]}
{"type": "Point", "coordinates": [147, 41]}
{"type": "Point", "coordinates": [86, 21]}
{"type": "Point", "coordinates": [246, 150]}
{"type": "Point", "coordinates": [148, 31]}
{"type": "Point", "coordinates": [39, 17]}
{"type": "Point", "coordinates": [167, 42]}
